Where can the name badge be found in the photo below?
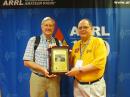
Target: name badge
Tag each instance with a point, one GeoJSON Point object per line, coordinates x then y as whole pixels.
{"type": "Point", "coordinates": [79, 63]}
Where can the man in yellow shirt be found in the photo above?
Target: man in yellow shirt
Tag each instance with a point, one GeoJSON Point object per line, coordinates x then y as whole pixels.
{"type": "Point", "coordinates": [89, 57]}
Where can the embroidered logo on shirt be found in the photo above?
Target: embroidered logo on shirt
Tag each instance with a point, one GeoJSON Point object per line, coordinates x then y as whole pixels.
{"type": "Point", "coordinates": [76, 50]}
{"type": "Point", "coordinates": [88, 51]}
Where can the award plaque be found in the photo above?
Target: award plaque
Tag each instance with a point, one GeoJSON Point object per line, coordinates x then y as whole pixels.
{"type": "Point", "coordinates": [58, 60]}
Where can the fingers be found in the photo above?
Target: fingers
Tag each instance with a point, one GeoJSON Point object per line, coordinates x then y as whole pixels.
{"type": "Point", "coordinates": [68, 73]}
{"type": "Point", "coordinates": [72, 72]}
{"type": "Point", "coordinates": [52, 76]}
{"type": "Point", "coordinates": [46, 74]}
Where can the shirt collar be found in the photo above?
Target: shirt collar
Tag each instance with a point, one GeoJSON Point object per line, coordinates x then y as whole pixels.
{"type": "Point", "coordinates": [44, 38]}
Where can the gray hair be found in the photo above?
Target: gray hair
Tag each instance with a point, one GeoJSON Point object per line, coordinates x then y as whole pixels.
{"type": "Point", "coordinates": [47, 18]}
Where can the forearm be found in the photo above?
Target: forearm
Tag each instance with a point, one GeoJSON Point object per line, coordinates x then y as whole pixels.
{"type": "Point", "coordinates": [88, 68]}
{"type": "Point", "coordinates": [32, 65]}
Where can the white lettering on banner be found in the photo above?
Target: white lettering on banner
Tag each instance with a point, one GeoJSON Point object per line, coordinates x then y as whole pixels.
{"type": "Point", "coordinates": [28, 2]}
{"type": "Point", "coordinates": [99, 31]}
{"type": "Point", "coordinates": [121, 2]}
{"type": "Point", "coordinates": [74, 31]}
{"type": "Point", "coordinates": [12, 2]}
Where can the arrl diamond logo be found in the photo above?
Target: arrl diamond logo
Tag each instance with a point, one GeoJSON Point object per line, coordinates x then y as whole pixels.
{"type": "Point", "coordinates": [12, 2]}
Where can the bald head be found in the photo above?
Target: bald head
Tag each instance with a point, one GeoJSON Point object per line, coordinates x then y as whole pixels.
{"type": "Point", "coordinates": [85, 29]}
{"type": "Point", "coordinates": [86, 20]}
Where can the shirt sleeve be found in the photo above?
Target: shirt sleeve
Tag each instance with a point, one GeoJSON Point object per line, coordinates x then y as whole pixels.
{"type": "Point", "coordinates": [100, 54]}
{"type": "Point", "coordinates": [29, 51]}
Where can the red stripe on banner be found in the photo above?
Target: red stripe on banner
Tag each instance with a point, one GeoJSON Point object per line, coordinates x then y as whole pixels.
{"type": "Point", "coordinates": [59, 35]}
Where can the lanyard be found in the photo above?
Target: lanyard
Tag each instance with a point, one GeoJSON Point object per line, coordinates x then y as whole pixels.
{"type": "Point", "coordinates": [82, 49]}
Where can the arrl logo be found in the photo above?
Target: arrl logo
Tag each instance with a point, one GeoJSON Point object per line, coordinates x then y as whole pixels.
{"type": "Point", "coordinates": [12, 2]}
{"type": "Point", "coordinates": [98, 31]}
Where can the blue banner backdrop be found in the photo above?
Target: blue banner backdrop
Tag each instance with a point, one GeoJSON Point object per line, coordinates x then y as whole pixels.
{"type": "Point", "coordinates": [17, 25]}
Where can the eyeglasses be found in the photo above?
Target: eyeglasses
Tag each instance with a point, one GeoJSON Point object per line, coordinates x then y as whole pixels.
{"type": "Point", "coordinates": [83, 27]}
{"type": "Point", "coordinates": [48, 25]}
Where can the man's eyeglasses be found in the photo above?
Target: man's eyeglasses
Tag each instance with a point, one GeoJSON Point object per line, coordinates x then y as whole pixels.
{"type": "Point", "coordinates": [83, 27]}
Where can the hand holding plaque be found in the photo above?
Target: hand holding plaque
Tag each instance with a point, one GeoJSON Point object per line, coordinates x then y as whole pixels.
{"type": "Point", "coordinates": [59, 60]}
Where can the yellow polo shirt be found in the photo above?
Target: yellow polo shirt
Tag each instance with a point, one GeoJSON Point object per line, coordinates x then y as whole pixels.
{"type": "Point", "coordinates": [95, 53]}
